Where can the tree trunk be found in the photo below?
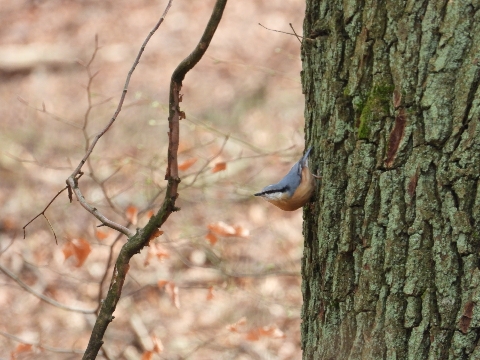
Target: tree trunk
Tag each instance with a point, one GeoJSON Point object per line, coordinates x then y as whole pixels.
{"type": "Point", "coordinates": [391, 260]}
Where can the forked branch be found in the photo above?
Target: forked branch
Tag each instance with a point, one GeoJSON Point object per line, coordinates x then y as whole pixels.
{"type": "Point", "coordinates": [142, 237]}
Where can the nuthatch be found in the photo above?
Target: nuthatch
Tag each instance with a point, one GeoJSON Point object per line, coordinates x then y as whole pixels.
{"type": "Point", "coordinates": [294, 190]}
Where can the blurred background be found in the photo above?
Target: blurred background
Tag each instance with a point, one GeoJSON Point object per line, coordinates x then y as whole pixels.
{"type": "Point", "coordinates": [223, 280]}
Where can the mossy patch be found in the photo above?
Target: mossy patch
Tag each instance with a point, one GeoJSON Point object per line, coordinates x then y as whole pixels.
{"type": "Point", "coordinates": [374, 108]}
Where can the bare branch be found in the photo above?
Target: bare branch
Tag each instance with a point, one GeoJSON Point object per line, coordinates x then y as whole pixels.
{"type": "Point", "coordinates": [41, 346]}
{"type": "Point", "coordinates": [283, 32]}
{"type": "Point", "coordinates": [142, 237]}
{"type": "Point", "coordinates": [41, 296]}
{"type": "Point", "coordinates": [72, 179]}
{"type": "Point", "coordinates": [72, 183]}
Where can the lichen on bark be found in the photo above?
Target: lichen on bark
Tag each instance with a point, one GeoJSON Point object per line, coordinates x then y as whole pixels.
{"type": "Point", "coordinates": [392, 107]}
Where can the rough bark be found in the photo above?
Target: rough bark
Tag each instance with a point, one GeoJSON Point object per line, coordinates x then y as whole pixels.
{"type": "Point", "coordinates": [391, 260]}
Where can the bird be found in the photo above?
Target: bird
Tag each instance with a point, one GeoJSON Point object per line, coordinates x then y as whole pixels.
{"type": "Point", "coordinates": [294, 190]}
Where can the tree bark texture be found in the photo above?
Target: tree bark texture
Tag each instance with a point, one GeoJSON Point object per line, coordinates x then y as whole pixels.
{"type": "Point", "coordinates": [391, 259]}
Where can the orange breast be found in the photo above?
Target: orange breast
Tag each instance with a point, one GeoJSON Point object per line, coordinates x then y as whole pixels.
{"type": "Point", "coordinates": [301, 196]}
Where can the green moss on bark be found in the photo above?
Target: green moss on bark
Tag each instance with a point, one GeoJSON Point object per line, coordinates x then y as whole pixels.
{"type": "Point", "coordinates": [375, 108]}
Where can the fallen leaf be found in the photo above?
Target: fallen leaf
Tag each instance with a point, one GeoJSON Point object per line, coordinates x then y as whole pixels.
{"type": "Point", "coordinates": [79, 248]}
{"type": "Point", "coordinates": [23, 348]}
{"type": "Point", "coordinates": [147, 355]}
{"type": "Point", "coordinates": [220, 166]}
{"type": "Point", "coordinates": [101, 235]}
{"type": "Point", "coordinates": [222, 229]}
{"type": "Point", "coordinates": [157, 345]}
{"type": "Point", "coordinates": [235, 326]}
{"type": "Point", "coordinates": [271, 331]}
{"type": "Point", "coordinates": [172, 290]}
{"type": "Point", "coordinates": [162, 283]}
{"type": "Point", "coordinates": [211, 238]}
{"type": "Point", "coordinates": [210, 294]}
{"type": "Point", "coordinates": [157, 251]}
{"type": "Point", "coordinates": [186, 164]}
{"type": "Point", "coordinates": [132, 214]}
{"type": "Point", "coordinates": [241, 231]}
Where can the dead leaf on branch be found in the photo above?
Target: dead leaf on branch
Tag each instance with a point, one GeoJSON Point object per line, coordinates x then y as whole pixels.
{"type": "Point", "coordinates": [156, 234]}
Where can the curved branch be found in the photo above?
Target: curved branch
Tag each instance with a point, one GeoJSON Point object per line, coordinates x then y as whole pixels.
{"type": "Point", "coordinates": [142, 237]}
{"type": "Point", "coordinates": [176, 84]}
{"type": "Point", "coordinates": [41, 296]}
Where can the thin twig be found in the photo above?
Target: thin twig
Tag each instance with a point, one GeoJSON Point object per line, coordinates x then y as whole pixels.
{"type": "Point", "coordinates": [71, 181]}
{"type": "Point", "coordinates": [44, 110]}
{"type": "Point", "coordinates": [41, 296]}
{"type": "Point", "coordinates": [197, 174]}
{"type": "Point", "coordinates": [40, 346]}
{"type": "Point", "coordinates": [298, 36]}
{"type": "Point", "coordinates": [283, 32]}
{"type": "Point", "coordinates": [43, 213]}
{"type": "Point", "coordinates": [14, 237]}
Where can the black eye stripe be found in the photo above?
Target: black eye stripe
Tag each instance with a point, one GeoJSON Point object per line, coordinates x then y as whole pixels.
{"type": "Point", "coordinates": [282, 190]}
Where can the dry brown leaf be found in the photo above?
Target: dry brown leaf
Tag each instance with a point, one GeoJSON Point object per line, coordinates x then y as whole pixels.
{"type": "Point", "coordinates": [172, 290]}
{"type": "Point", "coordinates": [147, 355]}
{"type": "Point", "coordinates": [220, 166]}
{"type": "Point", "coordinates": [211, 238]}
{"type": "Point", "coordinates": [222, 229]}
{"type": "Point", "coordinates": [156, 234]}
{"type": "Point", "coordinates": [23, 348]}
{"type": "Point", "coordinates": [235, 326]}
{"type": "Point", "coordinates": [68, 250]}
{"type": "Point", "coordinates": [79, 248]}
{"type": "Point", "coordinates": [210, 294]}
{"type": "Point", "coordinates": [271, 331]}
{"type": "Point", "coordinates": [157, 345]}
{"type": "Point", "coordinates": [186, 164]}
{"type": "Point", "coordinates": [162, 283]}
{"type": "Point", "coordinates": [132, 214]}
{"type": "Point", "coordinates": [101, 235]}
{"type": "Point", "coordinates": [157, 251]}
{"type": "Point", "coordinates": [252, 335]}
{"type": "Point", "coordinates": [241, 231]}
